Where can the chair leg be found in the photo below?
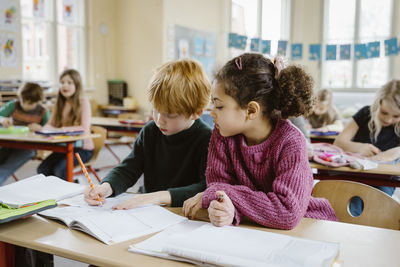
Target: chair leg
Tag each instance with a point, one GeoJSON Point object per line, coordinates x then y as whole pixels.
{"type": "Point", "coordinates": [94, 172]}
{"type": "Point", "coordinates": [112, 152]}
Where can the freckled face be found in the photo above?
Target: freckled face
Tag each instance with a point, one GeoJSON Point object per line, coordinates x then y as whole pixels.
{"type": "Point", "coordinates": [388, 115]}
{"type": "Point", "coordinates": [226, 112]}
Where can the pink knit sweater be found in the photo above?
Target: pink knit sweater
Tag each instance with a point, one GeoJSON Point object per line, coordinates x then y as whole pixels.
{"type": "Point", "coordinates": [270, 183]}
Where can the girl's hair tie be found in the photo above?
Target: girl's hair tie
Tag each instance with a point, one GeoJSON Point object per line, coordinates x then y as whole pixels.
{"type": "Point", "coordinates": [238, 62]}
{"type": "Point", "coordinates": [279, 65]}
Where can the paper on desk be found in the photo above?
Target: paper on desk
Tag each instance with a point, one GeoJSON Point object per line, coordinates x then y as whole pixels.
{"type": "Point", "coordinates": [236, 246]}
{"type": "Point", "coordinates": [79, 201]}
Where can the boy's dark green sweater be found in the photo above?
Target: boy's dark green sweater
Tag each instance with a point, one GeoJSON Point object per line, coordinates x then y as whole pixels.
{"type": "Point", "coordinates": [176, 163]}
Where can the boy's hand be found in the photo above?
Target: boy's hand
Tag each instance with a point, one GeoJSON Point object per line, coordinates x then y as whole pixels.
{"type": "Point", "coordinates": [368, 150]}
{"type": "Point", "coordinates": [33, 127]}
{"type": "Point", "coordinates": [155, 198]}
{"type": "Point", "coordinates": [7, 122]}
{"type": "Point", "coordinates": [221, 212]}
{"type": "Point", "coordinates": [192, 205]}
{"type": "Point", "coordinates": [104, 190]}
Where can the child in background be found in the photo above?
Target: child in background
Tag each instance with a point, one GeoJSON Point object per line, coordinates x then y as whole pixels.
{"type": "Point", "coordinates": [27, 111]}
{"type": "Point", "coordinates": [71, 112]}
{"type": "Point", "coordinates": [374, 132]}
{"type": "Point", "coordinates": [257, 162]}
{"type": "Point", "coordinates": [325, 116]}
{"type": "Point", "coordinates": [171, 150]}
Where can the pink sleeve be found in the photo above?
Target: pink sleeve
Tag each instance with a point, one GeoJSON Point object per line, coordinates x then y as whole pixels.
{"type": "Point", "coordinates": [219, 172]}
{"type": "Point", "coordinates": [282, 208]}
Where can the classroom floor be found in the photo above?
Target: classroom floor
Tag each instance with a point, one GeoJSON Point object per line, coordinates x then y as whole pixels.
{"type": "Point", "coordinates": [105, 159]}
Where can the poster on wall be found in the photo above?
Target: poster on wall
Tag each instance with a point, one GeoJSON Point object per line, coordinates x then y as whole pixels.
{"type": "Point", "coordinates": [9, 15]}
{"type": "Point", "coordinates": [8, 55]}
{"type": "Point", "coordinates": [69, 11]}
{"type": "Point", "coordinates": [200, 45]}
{"type": "Point", "coordinates": [38, 8]}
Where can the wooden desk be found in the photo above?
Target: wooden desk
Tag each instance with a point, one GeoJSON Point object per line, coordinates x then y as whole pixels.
{"type": "Point", "coordinates": [359, 245]}
{"type": "Point", "coordinates": [322, 138]}
{"type": "Point", "coordinates": [114, 124]}
{"type": "Point", "coordinates": [115, 110]}
{"type": "Point", "coordinates": [33, 141]}
{"type": "Point", "coordinates": [384, 175]}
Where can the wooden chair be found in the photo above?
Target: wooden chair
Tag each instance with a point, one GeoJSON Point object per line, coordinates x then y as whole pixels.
{"type": "Point", "coordinates": [380, 210]}
{"type": "Point", "coordinates": [98, 145]}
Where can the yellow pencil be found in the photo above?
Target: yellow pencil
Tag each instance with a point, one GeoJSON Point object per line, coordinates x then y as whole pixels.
{"type": "Point", "coordinates": [87, 175]}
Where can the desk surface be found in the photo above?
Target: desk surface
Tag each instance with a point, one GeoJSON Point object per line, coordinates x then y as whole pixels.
{"type": "Point", "coordinates": [384, 169]}
{"type": "Point", "coordinates": [35, 138]}
{"type": "Point", "coordinates": [359, 245]}
{"type": "Point", "coordinates": [114, 122]}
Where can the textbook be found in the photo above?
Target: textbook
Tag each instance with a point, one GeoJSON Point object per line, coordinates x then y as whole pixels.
{"type": "Point", "coordinates": [14, 130]}
{"type": "Point", "coordinates": [113, 226]}
{"type": "Point", "coordinates": [56, 132]}
{"type": "Point", "coordinates": [36, 189]}
{"type": "Point", "coordinates": [207, 245]}
{"type": "Point", "coordinates": [9, 214]}
{"type": "Point", "coordinates": [321, 133]}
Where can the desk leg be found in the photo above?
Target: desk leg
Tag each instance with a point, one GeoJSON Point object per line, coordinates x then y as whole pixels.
{"type": "Point", "coordinates": [70, 162]}
{"type": "Point", "coordinates": [6, 255]}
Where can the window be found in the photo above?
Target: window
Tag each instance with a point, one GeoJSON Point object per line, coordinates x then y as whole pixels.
{"type": "Point", "coordinates": [255, 19]}
{"type": "Point", "coordinates": [355, 22]}
{"type": "Point", "coordinates": [52, 38]}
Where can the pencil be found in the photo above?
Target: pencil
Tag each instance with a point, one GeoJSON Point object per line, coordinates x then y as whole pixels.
{"type": "Point", "coordinates": [87, 175]}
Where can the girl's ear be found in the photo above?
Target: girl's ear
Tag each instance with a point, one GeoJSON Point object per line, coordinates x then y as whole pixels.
{"type": "Point", "coordinates": [253, 110]}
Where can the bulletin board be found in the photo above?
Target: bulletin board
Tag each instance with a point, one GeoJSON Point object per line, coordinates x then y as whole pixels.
{"type": "Point", "coordinates": [196, 44]}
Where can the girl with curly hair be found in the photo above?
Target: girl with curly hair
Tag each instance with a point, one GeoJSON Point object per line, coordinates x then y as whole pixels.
{"type": "Point", "coordinates": [257, 163]}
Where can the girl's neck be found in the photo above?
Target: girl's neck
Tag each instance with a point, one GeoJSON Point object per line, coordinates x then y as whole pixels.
{"type": "Point", "coordinates": [258, 131]}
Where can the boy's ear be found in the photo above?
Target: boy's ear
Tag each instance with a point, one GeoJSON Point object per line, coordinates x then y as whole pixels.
{"type": "Point", "coordinates": [197, 115]}
{"type": "Point", "coordinates": [253, 110]}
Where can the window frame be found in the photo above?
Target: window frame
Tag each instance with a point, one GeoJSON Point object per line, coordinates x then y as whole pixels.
{"type": "Point", "coordinates": [353, 87]}
{"type": "Point", "coordinates": [54, 21]}
{"type": "Point", "coordinates": [285, 29]}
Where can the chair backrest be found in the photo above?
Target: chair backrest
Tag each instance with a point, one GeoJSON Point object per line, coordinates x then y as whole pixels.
{"type": "Point", "coordinates": [380, 210]}
{"type": "Point", "coordinates": [98, 142]}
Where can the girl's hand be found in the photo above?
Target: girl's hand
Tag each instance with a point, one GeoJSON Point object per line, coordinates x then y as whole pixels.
{"type": "Point", "coordinates": [103, 190]}
{"type": "Point", "coordinates": [368, 150]}
{"type": "Point", "coordinates": [222, 211]}
{"type": "Point", "coordinates": [33, 127]}
{"type": "Point", "coordinates": [156, 198]}
{"type": "Point", "coordinates": [7, 122]}
{"type": "Point", "coordinates": [192, 205]}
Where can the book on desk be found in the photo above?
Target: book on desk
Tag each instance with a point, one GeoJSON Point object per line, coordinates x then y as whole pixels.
{"type": "Point", "coordinates": [204, 244]}
{"type": "Point", "coordinates": [32, 195]}
{"type": "Point", "coordinates": [112, 226]}
{"type": "Point", "coordinates": [59, 133]}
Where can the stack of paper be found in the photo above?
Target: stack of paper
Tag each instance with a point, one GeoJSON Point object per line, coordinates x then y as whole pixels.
{"type": "Point", "coordinates": [207, 245]}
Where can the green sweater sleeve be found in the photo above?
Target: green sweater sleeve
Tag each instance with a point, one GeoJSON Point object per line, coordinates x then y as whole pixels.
{"type": "Point", "coordinates": [7, 109]}
{"type": "Point", "coordinates": [129, 171]}
{"type": "Point", "coordinates": [45, 117]}
{"type": "Point", "coordinates": [180, 194]}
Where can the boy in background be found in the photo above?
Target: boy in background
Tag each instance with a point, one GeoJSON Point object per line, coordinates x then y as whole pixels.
{"type": "Point", "coordinates": [25, 111]}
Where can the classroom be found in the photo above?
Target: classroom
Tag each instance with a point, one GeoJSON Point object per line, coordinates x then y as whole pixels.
{"type": "Point", "coordinates": [280, 117]}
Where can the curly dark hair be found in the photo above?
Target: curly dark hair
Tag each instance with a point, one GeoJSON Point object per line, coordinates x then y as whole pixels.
{"type": "Point", "coordinates": [289, 94]}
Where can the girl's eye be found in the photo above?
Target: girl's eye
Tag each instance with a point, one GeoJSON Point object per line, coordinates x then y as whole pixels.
{"type": "Point", "coordinates": [220, 107]}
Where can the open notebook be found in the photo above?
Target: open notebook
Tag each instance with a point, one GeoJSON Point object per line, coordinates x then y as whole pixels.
{"type": "Point", "coordinates": [112, 226]}
{"type": "Point", "coordinates": [36, 189]}
{"type": "Point", "coordinates": [204, 244]}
